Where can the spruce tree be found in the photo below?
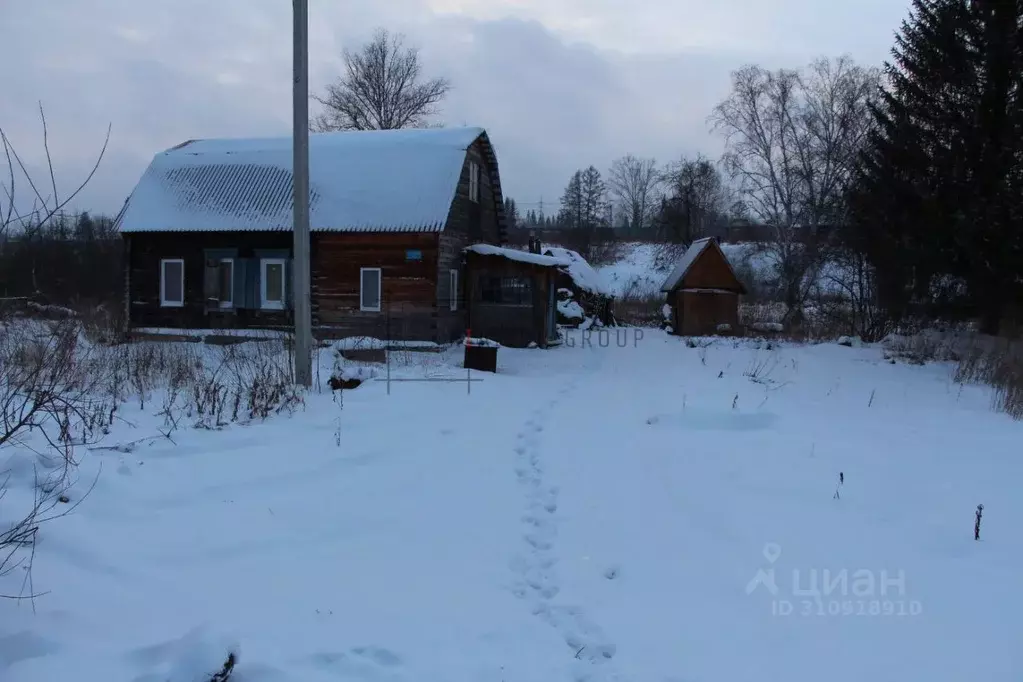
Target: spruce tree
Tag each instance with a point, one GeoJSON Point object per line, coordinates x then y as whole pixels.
{"type": "Point", "coordinates": [937, 191]}
{"type": "Point", "coordinates": [573, 202]}
{"type": "Point", "coordinates": [991, 250]}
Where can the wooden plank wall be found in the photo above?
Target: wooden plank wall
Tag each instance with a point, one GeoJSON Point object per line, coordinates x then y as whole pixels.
{"type": "Point", "coordinates": [710, 271]}
{"type": "Point", "coordinates": [509, 324]}
{"type": "Point", "coordinates": [702, 312]}
{"type": "Point", "coordinates": [143, 264]}
{"type": "Point", "coordinates": [409, 287]}
{"type": "Point", "coordinates": [468, 223]}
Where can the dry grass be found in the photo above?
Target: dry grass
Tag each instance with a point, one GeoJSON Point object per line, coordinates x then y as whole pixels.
{"type": "Point", "coordinates": [977, 359]}
{"type": "Point", "coordinates": [815, 327]}
{"type": "Point", "coordinates": [640, 307]}
{"type": "Point", "coordinates": [998, 363]}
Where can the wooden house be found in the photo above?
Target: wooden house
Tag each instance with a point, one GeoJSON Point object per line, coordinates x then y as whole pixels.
{"type": "Point", "coordinates": [703, 291]}
{"type": "Point", "coordinates": [208, 233]}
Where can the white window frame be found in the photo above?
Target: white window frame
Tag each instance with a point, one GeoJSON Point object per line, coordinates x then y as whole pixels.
{"type": "Point", "coordinates": [229, 303]}
{"type": "Point", "coordinates": [164, 303]}
{"type": "Point", "coordinates": [263, 302]}
{"type": "Point", "coordinates": [362, 292]}
{"type": "Point", "coordinates": [453, 289]}
{"type": "Point", "coordinates": [474, 182]}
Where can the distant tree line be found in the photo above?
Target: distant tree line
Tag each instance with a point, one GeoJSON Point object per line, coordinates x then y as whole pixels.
{"type": "Point", "coordinates": [70, 259]}
{"type": "Point", "coordinates": [906, 181]}
{"type": "Point", "coordinates": [638, 199]}
{"type": "Point", "coordinates": [47, 253]}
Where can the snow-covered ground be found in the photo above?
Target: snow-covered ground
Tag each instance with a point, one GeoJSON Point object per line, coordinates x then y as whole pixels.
{"type": "Point", "coordinates": [641, 269]}
{"type": "Point", "coordinates": [627, 509]}
{"type": "Point", "coordinates": [636, 272]}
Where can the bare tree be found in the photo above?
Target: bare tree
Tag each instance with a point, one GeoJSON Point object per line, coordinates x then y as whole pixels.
{"type": "Point", "coordinates": [791, 141]}
{"type": "Point", "coordinates": [632, 183]}
{"type": "Point", "coordinates": [694, 202]}
{"type": "Point", "coordinates": [382, 89]}
{"type": "Point", "coordinates": [47, 202]}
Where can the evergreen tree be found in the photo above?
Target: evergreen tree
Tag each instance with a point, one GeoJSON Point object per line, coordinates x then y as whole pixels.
{"type": "Point", "coordinates": [572, 202]}
{"type": "Point", "coordinates": [511, 214]}
{"type": "Point", "coordinates": [938, 190]}
{"type": "Point", "coordinates": [990, 251]}
{"type": "Point", "coordinates": [85, 227]}
{"type": "Point", "coordinates": [594, 195]}
{"type": "Point", "coordinates": [584, 203]}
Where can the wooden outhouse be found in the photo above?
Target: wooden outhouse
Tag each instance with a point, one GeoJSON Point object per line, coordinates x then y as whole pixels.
{"type": "Point", "coordinates": [703, 291]}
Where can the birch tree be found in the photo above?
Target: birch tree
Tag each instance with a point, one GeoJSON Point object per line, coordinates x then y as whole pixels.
{"type": "Point", "coordinates": [791, 142]}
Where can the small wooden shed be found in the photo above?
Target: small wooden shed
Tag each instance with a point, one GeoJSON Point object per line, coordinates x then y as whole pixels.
{"type": "Point", "coordinates": [510, 295]}
{"type": "Point", "coordinates": [703, 291]}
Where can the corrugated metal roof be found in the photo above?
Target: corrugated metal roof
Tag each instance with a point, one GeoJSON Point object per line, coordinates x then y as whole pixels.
{"type": "Point", "coordinates": [393, 180]}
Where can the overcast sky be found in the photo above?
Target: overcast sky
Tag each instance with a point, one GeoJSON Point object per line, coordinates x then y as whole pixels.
{"type": "Point", "coordinates": [558, 84]}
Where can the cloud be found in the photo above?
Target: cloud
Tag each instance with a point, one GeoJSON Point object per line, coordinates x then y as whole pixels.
{"type": "Point", "coordinates": [663, 26]}
{"type": "Point", "coordinates": [559, 85]}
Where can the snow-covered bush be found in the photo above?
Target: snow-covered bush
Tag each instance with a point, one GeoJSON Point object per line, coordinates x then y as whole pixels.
{"type": "Point", "coordinates": [51, 403]}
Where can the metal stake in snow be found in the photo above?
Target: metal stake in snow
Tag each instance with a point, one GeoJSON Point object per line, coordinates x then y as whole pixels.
{"type": "Point", "coordinates": [300, 185]}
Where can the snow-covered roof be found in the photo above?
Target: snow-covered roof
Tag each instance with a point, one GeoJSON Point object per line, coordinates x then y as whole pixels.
{"type": "Point", "coordinates": [581, 272]}
{"type": "Point", "coordinates": [393, 180]}
{"type": "Point", "coordinates": [517, 254]}
{"type": "Point", "coordinates": [688, 258]}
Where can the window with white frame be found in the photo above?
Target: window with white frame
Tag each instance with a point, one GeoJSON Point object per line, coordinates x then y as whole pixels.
{"type": "Point", "coordinates": [273, 283]}
{"type": "Point", "coordinates": [474, 181]}
{"type": "Point", "coordinates": [453, 288]}
{"type": "Point", "coordinates": [369, 289]}
{"type": "Point", "coordinates": [172, 283]}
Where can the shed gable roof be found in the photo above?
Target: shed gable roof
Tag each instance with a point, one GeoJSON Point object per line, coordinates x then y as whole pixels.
{"type": "Point", "coordinates": [365, 181]}
{"type": "Point", "coordinates": [689, 258]}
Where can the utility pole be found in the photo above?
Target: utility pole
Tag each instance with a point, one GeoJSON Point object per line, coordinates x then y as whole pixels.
{"type": "Point", "coordinates": [300, 184]}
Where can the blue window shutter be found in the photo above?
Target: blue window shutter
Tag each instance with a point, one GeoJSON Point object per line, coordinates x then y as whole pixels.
{"type": "Point", "coordinates": [289, 287]}
{"type": "Point", "coordinates": [252, 295]}
{"type": "Point", "coordinates": [240, 294]}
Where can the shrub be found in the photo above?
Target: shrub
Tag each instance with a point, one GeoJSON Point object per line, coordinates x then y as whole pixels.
{"type": "Point", "coordinates": [998, 363]}
{"type": "Point", "coordinates": [50, 403]}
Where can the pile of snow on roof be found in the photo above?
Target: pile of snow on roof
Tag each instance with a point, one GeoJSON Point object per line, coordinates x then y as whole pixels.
{"type": "Point", "coordinates": [517, 254]}
{"type": "Point", "coordinates": [581, 272]}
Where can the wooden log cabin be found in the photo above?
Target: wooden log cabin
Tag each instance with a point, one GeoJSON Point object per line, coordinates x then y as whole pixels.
{"type": "Point", "coordinates": [208, 233]}
{"type": "Point", "coordinates": [703, 291]}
